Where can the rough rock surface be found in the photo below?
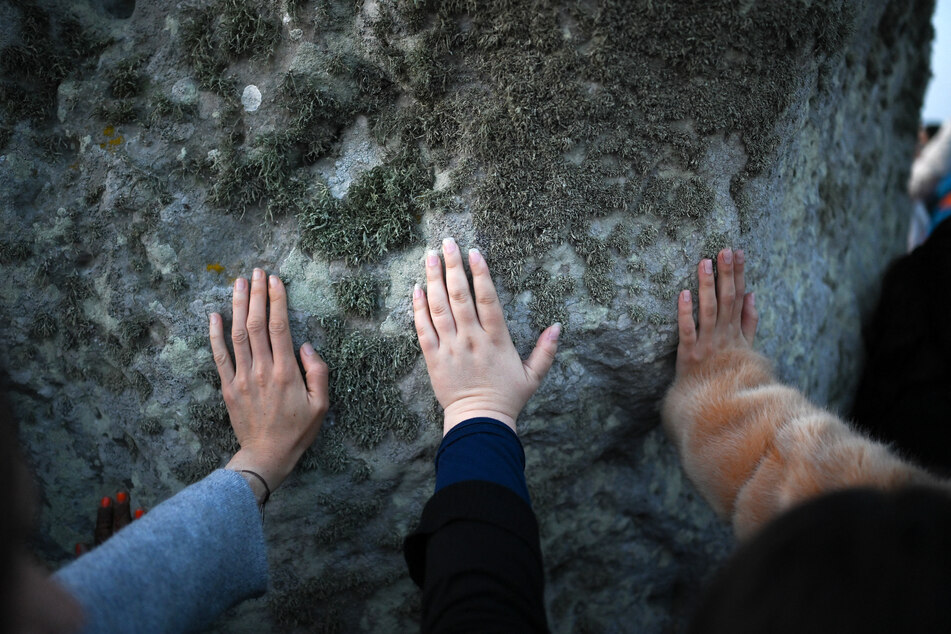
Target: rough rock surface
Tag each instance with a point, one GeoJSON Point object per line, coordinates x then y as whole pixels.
{"type": "Point", "coordinates": [593, 151]}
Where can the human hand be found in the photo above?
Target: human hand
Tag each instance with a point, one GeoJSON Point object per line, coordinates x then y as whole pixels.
{"type": "Point", "coordinates": [274, 412]}
{"type": "Point", "coordinates": [727, 312]}
{"type": "Point", "coordinates": [111, 518]}
{"type": "Point", "coordinates": [473, 365]}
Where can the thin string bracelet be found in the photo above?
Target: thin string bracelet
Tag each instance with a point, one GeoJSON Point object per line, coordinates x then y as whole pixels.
{"type": "Point", "coordinates": [267, 489]}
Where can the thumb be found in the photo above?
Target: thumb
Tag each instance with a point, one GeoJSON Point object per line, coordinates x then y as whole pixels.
{"type": "Point", "coordinates": [539, 362]}
{"type": "Point", "coordinates": [316, 375]}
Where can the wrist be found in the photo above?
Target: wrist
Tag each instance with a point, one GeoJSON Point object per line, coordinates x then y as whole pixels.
{"type": "Point", "coordinates": [453, 416]}
{"type": "Point", "coordinates": [271, 469]}
{"type": "Point", "coordinates": [259, 486]}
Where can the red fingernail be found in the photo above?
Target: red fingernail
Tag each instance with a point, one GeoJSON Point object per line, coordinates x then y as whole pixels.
{"type": "Point", "coordinates": [79, 548]}
{"type": "Point", "coordinates": [121, 497]}
{"type": "Point", "coordinates": [106, 502]}
{"type": "Point", "coordinates": [139, 513]}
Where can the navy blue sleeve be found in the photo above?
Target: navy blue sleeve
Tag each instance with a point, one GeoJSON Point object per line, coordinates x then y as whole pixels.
{"type": "Point", "coordinates": [482, 449]}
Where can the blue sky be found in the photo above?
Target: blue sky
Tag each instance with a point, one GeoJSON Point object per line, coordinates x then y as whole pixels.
{"type": "Point", "coordinates": [937, 106]}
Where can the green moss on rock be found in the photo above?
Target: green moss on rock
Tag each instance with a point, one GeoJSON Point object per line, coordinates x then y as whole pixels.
{"type": "Point", "coordinates": [566, 110]}
{"type": "Point", "coordinates": [48, 50]}
{"type": "Point", "coordinates": [363, 392]}
{"type": "Point", "coordinates": [125, 80]}
{"type": "Point", "coordinates": [548, 299]}
{"type": "Point", "coordinates": [358, 294]}
{"type": "Point", "coordinates": [379, 213]}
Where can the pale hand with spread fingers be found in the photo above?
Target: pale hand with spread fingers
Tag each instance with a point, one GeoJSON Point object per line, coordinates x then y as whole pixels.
{"type": "Point", "coordinates": [274, 411]}
{"type": "Point", "coordinates": [727, 312]}
{"type": "Point", "coordinates": [473, 365]}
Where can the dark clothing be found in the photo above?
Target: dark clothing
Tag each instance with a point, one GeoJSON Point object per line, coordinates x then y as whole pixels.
{"type": "Point", "coordinates": [482, 449]}
{"type": "Point", "coordinates": [904, 396]}
{"type": "Point", "coordinates": [476, 553]}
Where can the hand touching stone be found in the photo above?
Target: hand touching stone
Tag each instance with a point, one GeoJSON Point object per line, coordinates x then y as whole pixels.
{"type": "Point", "coordinates": [727, 313]}
{"type": "Point", "coordinates": [275, 413]}
{"type": "Point", "coordinates": [473, 365]}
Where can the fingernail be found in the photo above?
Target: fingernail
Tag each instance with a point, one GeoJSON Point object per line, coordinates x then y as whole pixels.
{"type": "Point", "coordinates": [106, 502]}
{"type": "Point", "coordinates": [708, 266]}
{"type": "Point", "coordinates": [475, 255]}
{"type": "Point", "coordinates": [432, 258]}
{"type": "Point", "coordinates": [554, 332]}
{"type": "Point", "coordinates": [272, 281]}
{"type": "Point", "coordinates": [740, 256]}
{"type": "Point", "coordinates": [240, 284]}
{"type": "Point", "coordinates": [448, 245]}
{"type": "Point", "coordinates": [308, 349]}
{"type": "Point", "coordinates": [728, 256]}
{"type": "Point", "coordinates": [213, 319]}
{"type": "Point", "coordinates": [139, 513]}
{"type": "Point", "coordinates": [685, 296]}
{"type": "Point", "coordinates": [257, 274]}
{"type": "Point", "coordinates": [121, 497]}
{"type": "Point", "coordinates": [79, 548]}
{"type": "Point", "coordinates": [752, 299]}
{"type": "Point", "coordinates": [417, 292]}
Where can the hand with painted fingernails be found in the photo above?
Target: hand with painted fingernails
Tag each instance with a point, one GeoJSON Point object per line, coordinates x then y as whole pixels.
{"type": "Point", "coordinates": [473, 365]}
{"type": "Point", "coordinates": [275, 411]}
{"type": "Point", "coordinates": [111, 517]}
{"type": "Point", "coordinates": [727, 315]}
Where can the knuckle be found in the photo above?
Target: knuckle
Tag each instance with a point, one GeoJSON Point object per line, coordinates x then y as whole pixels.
{"type": "Point", "coordinates": [459, 295]}
{"type": "Point", "coordinates": [241, 385]}
{"type": "Point", "coordinates": [255, 325]}
{"type": "Point", "coordinates": [221, 358]}
{"type": "Point", "coordinates": [261, 376]}
{"type": "Point", "coordinates": [277, 327]}
{"type": "Point", "coordinates": [239, 336]}
{"type": "Point", "coordinates": [486, 300]}
{"type": "Point", "coordinates": [438, 310]}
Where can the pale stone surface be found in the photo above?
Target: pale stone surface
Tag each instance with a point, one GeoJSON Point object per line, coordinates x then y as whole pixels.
{"type": "Point", "coordinates": [251, 98]}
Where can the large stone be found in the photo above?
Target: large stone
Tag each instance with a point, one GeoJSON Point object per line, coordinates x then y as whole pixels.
{"type": "Point", "coordinates": [594, 153]}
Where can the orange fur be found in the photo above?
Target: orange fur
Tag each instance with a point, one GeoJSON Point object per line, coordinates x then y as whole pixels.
{"type": "Point", "coordinates": [754, 447]}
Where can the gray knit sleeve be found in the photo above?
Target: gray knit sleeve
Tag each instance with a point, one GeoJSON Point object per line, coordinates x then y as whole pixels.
{"type": "Point", "coordinates": [179, 566]}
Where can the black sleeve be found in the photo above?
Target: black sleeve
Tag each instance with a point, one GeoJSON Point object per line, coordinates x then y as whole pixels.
{"type": "Point", "coordinates": [477, 557]}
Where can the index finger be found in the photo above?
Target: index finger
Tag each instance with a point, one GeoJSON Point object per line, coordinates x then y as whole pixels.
{"type": "Point", "coordinates": [486, 298]}
{"type": "Point", "coordinates": [278, 327]}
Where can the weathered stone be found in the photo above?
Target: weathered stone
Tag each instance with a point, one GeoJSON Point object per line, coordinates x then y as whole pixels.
{"type": "Point", "coordinates": [594, 152]}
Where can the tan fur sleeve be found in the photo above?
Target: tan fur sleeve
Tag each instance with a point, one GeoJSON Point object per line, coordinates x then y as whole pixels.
{"type": "Point", "coordinates": [754, 447]}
